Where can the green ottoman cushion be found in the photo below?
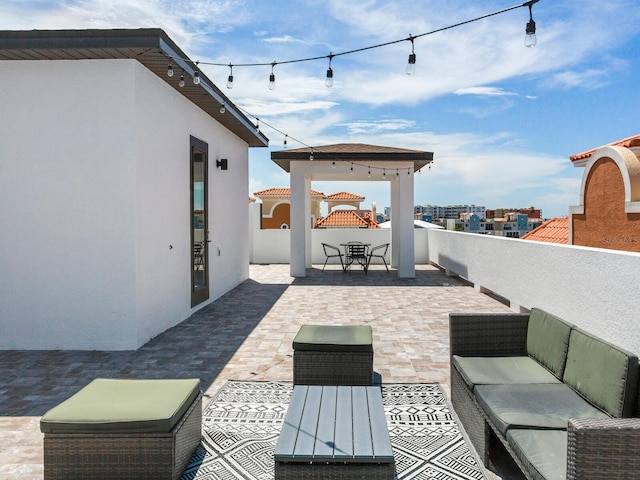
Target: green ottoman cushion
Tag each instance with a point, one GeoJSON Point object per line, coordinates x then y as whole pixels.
{"type": "Point", "coordinates": [543, 451]}
{"type": "Point", "coordinates": [123, 406]}
{"type": "Point", "coordinates": [343, 338]}
{"type": "Point", "coordinates": [501, 370]}
{"type": "Point", "coordinates": [541, 405]}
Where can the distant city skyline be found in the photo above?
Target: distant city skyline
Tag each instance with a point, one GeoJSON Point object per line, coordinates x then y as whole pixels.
{"type": "Point", "coordinates": [501, 119]}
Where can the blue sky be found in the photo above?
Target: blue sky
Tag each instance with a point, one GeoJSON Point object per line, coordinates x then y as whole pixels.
{"type": "Point", "coordinates": [501, 119]}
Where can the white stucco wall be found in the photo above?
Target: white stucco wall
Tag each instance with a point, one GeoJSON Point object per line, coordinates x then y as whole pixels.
{"type": "Point", "coordinates": [94, 188]}
{"type": "Point", "coordinates": [593, 288]}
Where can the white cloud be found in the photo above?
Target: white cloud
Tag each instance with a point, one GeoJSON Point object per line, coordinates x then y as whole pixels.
{"type": "Point", "coordinates": [484, 91]}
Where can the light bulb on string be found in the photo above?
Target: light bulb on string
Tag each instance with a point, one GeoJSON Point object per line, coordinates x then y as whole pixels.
{"type": "Point", "coordinates": [272, 78]}
{"type": "Point", "coordinates": [196, 78]}
{"type": "Point", "coordinates": [369, 174]}
{"type": "Point", "coordinates": [257, 124]}
{"type": "Point", "coordinates": [329, 81]}
{"type": "Point", "coordinates": [311, 155]}
{"type": "Point", "coordinates": [351, 168]}
{"type": "Point", "coordinates": [170, 70]}
{"type": "Point", "coordinates": [181, 82]}
{"type": "Point", "coordinates": [333, 164]}
{"type": "Point", "coordinates": [384, 173]}
{"type": "Point", "coordinates": [285, 141]}
{"type": "Point", "coordinates": [230, 77]}
{"type": "Point", "coordinates": [411, 64]}
{"type": "Point", "coordinates": [530, 39]}
{"type": "Point", "coordinates": [223, 108]}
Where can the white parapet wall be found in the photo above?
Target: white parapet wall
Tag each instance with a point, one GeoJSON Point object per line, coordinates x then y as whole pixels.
{"type": "Point", "coordinates": [274, 246]}
{"type": "Point", "coordinates": [595, 289]}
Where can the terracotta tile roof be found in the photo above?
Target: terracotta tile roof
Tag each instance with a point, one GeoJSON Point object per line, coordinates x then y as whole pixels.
{"type": "Point", "coordinates": [625, 142]}
{"type": "Point", "coordinates": [282, 192]}
{"type": "Point", "coordinates": [555, 230]}
{"type": "Point", "coordinates": [344, 196]}
{"type": "Point", "coordinates": [346, 219]}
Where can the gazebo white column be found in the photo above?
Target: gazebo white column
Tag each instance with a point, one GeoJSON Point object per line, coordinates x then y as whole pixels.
{"type": "Point", "coordinates": [300, 221]}
{"type": "Point", "coordinates": [402, 235]}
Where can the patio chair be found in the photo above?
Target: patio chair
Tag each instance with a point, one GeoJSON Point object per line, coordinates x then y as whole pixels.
{"type": "Point", "coordinates": [380, 248]}
{"type": "Point", "coordinates": [357, 253]}
{"type": "Point", "coordinates": [331, 252]}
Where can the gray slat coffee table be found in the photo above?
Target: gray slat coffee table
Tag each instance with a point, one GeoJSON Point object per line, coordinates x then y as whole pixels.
{"type": "Point", "coordinates": [337, 432]}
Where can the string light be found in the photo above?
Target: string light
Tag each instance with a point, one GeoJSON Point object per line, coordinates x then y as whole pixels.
{"type": "Point", "coordinates": [272, 78]}
{"type": "Point", "coordinates": [230, 77]}
{"type": "Point", "coordinates": [313, 154]}
{"type": "Point", "coordinates": [411, 64]}
{"type": "Point", "coordinates": [329, 81]}
{"type": "Point", "coordinates": [530, 39]}
{"type": "Point", "coordinates": [170, 70]}
{"type": "Point", "coordinates": [223, 108]}
{"type": "Point", "coordinates": [196, 78]}
{"type": "Point", "coordinates": [181, 82]}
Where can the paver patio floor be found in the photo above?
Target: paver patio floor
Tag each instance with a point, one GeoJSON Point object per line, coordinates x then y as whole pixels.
{"type": "Point", "coordinates": [246, 335]}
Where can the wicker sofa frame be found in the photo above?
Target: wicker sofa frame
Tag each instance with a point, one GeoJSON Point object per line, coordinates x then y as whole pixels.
{"type": "Point", "coordinates": [120, 456]}
{"type": "Point", "coordinates": [596, 448]}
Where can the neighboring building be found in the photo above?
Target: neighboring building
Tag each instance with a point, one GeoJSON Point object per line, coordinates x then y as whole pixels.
{"type": "Point", "coordinates": [555, 230]}
{"type": "Point", "coordinates": [422, 212]}
{"type": "Point", "coordinates": [348, 219]}
{"type": "Point", "coordinates": [608, 215]}
{"type": "Point", "coordinates": [514, 225]}
{"type": "Point", "coordinates": [123, 203]}
{"type": "Point", "coordinates": [276, 207]}
{"type": "Point", "coordinates": [276, 210]}
{"type": "Point", "coordinates": [343, 198]}
{"type": "Point", "coordinates": [503, 212]}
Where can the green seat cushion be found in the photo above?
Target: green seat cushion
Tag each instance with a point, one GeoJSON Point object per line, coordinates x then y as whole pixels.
{"type": "Point", "coordinates": [548, 340]}
{"type": "Point", "coordinates": [329, 338]}
{"type": "Point", "coordinates": [123, 406]}
{"type": "Point", "coordinates": [604, 374]}
{"type": "Point", "coordinates": [501, 370]}
{"type": "Point", "coordinates": [542, 405]}
{"type": "Point", "coordinates": [543, 451]}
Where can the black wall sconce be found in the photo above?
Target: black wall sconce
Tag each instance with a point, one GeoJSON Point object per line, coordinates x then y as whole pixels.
{"type": "Point", "coordinates": [222, 164]}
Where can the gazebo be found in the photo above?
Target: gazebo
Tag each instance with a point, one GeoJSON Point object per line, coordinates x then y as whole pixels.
{"type": "Point", "coordinates": [353, 162]}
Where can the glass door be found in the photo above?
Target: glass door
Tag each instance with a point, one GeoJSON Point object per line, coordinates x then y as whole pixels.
{"type": "Point", "coordinates": [199, 223]}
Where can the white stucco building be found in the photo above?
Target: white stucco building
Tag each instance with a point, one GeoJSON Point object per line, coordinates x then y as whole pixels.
{"type": "Point", "coordinates": [117, 217]}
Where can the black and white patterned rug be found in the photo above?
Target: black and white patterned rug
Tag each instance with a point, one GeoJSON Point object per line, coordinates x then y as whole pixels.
{"type": "Point", "coordinates": [241, 424]}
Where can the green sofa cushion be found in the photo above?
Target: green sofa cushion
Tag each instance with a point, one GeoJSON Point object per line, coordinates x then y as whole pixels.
{"type": "Point", "coordinates": [123, 406]}
{"type": "Point", "coordinates": [501, 370]}
{"type": "Point", "coordinates": [329, 338]}
{"type": "Point", "coordinates": [548, 340]}
{"type": "Point", "coordinates": [541, 405]}
{"type": "Point", "coordinates": [604, 374]}
{"type": "Point", "coordinates": [543, 451]}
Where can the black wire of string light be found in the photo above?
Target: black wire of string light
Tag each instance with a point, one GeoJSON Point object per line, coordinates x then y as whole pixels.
{"type": "Point", "coordinates": [529, 42]}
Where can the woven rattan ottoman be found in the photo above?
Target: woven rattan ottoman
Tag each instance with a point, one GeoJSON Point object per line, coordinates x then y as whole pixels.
{"type": "Point", "coordinates": [333, 355]}
{"type": "Point", "coordinates": [123, 429]}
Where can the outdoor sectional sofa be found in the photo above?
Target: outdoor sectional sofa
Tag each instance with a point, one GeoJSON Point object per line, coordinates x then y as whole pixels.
{"type": "Point", "coordinates": [562, 401]}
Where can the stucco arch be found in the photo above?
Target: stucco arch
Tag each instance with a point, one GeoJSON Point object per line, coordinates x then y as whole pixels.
{"type": "Point", "coordinates": [608, 215]}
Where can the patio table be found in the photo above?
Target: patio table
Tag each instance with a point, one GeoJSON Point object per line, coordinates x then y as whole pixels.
{"type": "Point", "coordinates": [337, 432]}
